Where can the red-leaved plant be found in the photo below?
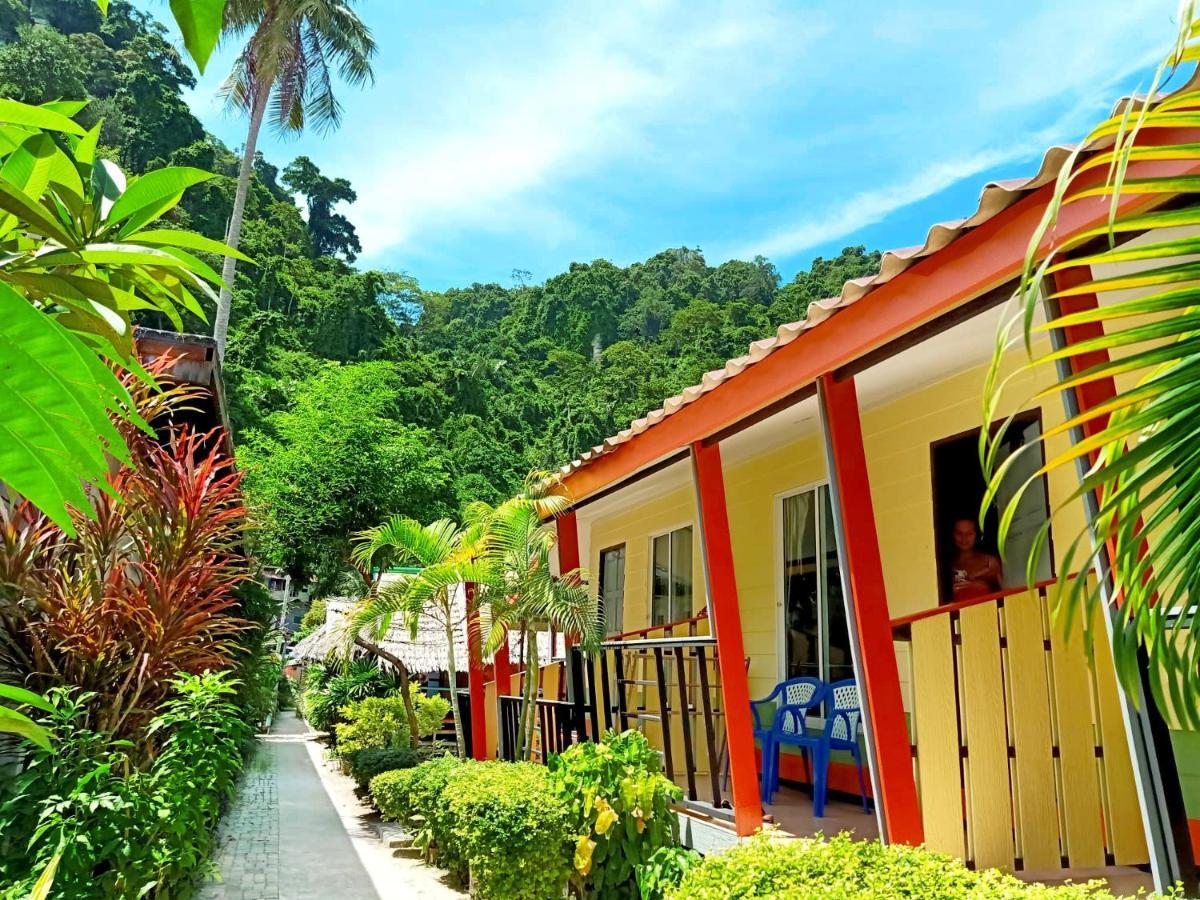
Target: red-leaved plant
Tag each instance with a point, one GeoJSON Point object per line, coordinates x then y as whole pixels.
{"type": "Point", "coordinates": [145, 588]}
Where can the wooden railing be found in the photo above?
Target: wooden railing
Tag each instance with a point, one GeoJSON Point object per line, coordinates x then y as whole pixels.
{"type": "Point", "coordinates": [668, 688]}
{"type": "Point", "coordinates": [1021, 756]}
{"type": "Point", "coordinates": [690, 626]}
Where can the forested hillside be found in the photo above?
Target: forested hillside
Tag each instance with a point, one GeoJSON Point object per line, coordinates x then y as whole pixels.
{"type": "Point", "coordinates": [356, 394]}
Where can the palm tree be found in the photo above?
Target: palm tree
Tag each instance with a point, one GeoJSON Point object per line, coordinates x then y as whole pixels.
{"type": "Point", "coordinates": [447, 559]}
{"type": "Point", "coordinates": [286, 67]}
{"type": "Point", "coordinates": [514, 544]}
{"type": "Point", "coordinates": [1138, 451]}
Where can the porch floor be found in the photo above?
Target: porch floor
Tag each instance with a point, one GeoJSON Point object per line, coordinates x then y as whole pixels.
{"type": "Point", "coordinates": [793, 813]}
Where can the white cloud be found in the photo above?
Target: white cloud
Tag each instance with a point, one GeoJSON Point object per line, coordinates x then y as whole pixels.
{"type": "Point", "coordinates": [582, 89]}
{"type": "Point", "coordinates": [1038, 66]}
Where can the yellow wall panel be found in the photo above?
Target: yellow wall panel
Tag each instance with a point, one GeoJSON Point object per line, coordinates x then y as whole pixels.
{"type": "Point", "coordinates": [935, 712]}
{"type": "Point", "coordinates": [1123, 816]}
{"type": "Point", "coordinates": [989, 798]}
{"type": "Point", "coordinates": [1032, 737]}
{"type": "Point", "coordinates": [1077, 751]}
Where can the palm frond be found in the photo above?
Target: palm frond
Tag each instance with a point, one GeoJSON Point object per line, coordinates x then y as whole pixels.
{"type": "Point", "coordinates": [1140, 449]}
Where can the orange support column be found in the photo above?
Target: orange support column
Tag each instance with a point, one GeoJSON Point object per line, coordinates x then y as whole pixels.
{"type": "Point", "coordinates": [476, 678]}
{"type": "Point", "coordinates": [727, 625]}
{"type": "Point", "coordinates": [567, 527]}
{"type": "Point", "coordinates": [867, 611]}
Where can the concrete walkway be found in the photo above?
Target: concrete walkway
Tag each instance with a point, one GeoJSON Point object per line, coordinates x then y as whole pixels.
{"type": "Point", "coordinates": [297, 832]}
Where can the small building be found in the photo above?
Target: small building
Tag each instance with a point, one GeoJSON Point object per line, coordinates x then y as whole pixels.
{"type": "Point", "coordinates": [792, 514]}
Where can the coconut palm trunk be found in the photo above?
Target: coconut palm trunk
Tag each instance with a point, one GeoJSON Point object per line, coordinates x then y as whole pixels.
{"type": "Point", "coordinates": [529, 695]}
{"type": "Point", "coordinates": [410, 712]}
{"type": "Point", "coordinates": [452, 673]}
{"type": "Point", "coordinates": [233, 234]}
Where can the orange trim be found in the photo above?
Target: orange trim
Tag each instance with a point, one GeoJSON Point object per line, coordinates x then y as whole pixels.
{"type": "Point", "coordinates": [567, 528]}
{"type": "Point", "coordinates": [947, 608]}
{"type": "Point", "coordinates": [476, 678]}
{"type": "Point", "coordinates": [667, 628]}
{"type": "Point", "coordinates": [1194, 834]}
{"type": "Point", "coordinates": [877, 654]}
{"type": "Point", "coordinates": [979, 260]}
{"type": "Point", "coordinates": [727, 623]}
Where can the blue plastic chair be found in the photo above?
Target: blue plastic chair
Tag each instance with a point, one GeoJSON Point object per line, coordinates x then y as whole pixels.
{"type": "Point", "coordinates": [843, 711]}
{"type": "Point", "coordinates": [797, 697]}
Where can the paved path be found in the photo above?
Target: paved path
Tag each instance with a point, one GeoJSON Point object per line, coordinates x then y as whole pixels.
{"type": "Point", "coordinates": [283, 839]}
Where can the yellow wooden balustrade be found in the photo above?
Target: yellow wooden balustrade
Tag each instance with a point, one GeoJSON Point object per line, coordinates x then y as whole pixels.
{"type": "Point", "coordinates": [1019, 746]}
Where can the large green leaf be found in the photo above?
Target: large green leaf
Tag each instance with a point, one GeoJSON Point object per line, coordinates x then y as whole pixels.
{"type": "Point", "coordinates": [13, 112]}
{"type": "Point", "coordinates": [15, 723]}
{"type": "Point", "coordinates": [200, 23]}
{"type": "Point", "coordinates": [157, 190]}
{"type": "Point", "coordinates": [1140, 449]}
{"type": "Point", "coordinates": [26, 697]}
{"type": "Point", "coordinates": [189, 240]}
{"type": "Point", "coordinates": [57, 397]}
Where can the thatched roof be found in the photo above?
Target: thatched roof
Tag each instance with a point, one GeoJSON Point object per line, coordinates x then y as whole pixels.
{"type": "Point", "coordinates": [424, 654]}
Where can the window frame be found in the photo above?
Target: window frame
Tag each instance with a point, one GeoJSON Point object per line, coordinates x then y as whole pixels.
{"type": "Point", "coordinates": [813, 487]}
{"type": "Point", "coordinates": [612, 548]}
{"type": "Point", "coordinates": [650, 539]}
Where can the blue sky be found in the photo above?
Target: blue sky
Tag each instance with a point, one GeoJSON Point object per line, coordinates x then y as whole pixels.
{"type": "Point", "coordinates": [526, 135]}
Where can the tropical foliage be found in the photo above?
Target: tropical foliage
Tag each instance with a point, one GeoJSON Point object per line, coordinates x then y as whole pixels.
{"type": "Point", "coordinates": [844, 868]}
{"type": "Point", "coordinates": [13, 721]}
{"type": "Point", "coordinates": [509, 826]}
{"type": "Point", "coordinates": [286, 67]}
{"type": "Point", "coordinates": [81, 253]}
{"type": "Point", "coordinates": [620, 811]}
{"type": "Point", "coordinates": [445, 556]}
{"type": "Point", "coordinates": [1140, 349]}
{"type": "Point", "coordinates": [109, 828]}
{"type": "Point", "coordinates": [141, 591]}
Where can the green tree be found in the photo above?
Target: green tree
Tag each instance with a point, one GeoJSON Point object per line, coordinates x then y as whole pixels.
{"type": "Point", "coordinates": [516, 589]}
{"type": "Point", "coordinates": [332, 233]}
{"type": "Point", "coordinates": [446, 556]}
{"type": "Point", "coordinates": [286, 64]}
{"type": "Point", "coordinates": [334, 462]}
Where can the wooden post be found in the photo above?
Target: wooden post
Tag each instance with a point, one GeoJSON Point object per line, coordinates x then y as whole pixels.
{"type": "Point", "coordinates": [727, 626]}
{"type": "Point", "coordinates": [884, 722]}
{"type": "Point", "coordinates": [1155, 769]}
{"type": "Point", "coordinates": [567, 528]}
{"type": "Point", "coordinates": [476, 677]}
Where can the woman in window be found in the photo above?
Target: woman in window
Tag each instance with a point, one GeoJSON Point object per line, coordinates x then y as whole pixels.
{"type": "Point", "coordinates": [973, 571]}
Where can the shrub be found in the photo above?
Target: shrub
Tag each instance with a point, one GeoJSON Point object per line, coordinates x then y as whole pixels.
{"type": "Point", "coordinates": [620, 810]}
{"type": "Point", "coordinates": [417, 794]}
{"type": "Point", "coordinates": [843, 868]}
{"type": "Point", "coordinates": [376, 723]}
{"type": "Point", "coordinates": [366, 764]}
{"type": "Point", "coordinates": [664, 871]}
{"type": "Point", "coordinates": [381, 722]}
{"type": "Point", "coordinates": [511, 826]}
{"type": "Point", "coordinates": [125, 832]}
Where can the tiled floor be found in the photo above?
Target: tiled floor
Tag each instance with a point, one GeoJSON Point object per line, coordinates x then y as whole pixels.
{"type": "Point", "coordinates": [792, 810]}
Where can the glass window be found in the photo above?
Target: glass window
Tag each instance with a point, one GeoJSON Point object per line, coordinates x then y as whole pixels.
{"type": "Point", "coordinates": [817, 639]}
{"type": "Point", "coordinates": [612, 588]}
{"type": "Point", "coordinates": [671, 582]}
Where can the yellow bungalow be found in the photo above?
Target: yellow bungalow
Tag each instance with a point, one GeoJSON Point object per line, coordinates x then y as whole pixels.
{"type": "Point", "coordinates": [795, 515]}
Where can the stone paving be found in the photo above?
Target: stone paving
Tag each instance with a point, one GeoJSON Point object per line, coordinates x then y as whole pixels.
{"type": "Point", "coordinates": [282, 839]}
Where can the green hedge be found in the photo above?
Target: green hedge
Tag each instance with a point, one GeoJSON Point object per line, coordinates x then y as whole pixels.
{"type": "Point", "coordinates": [363, 765]}
{"type": "Point", "coordinates": [847, 869]}
{"type": "Point", "coordinates": [417, 794]}
{"type": "Point", "coordinates": [512, 827]}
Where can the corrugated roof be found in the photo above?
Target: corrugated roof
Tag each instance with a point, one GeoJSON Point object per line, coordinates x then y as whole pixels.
{"type": "Point", "coordinates": [995, 197]}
